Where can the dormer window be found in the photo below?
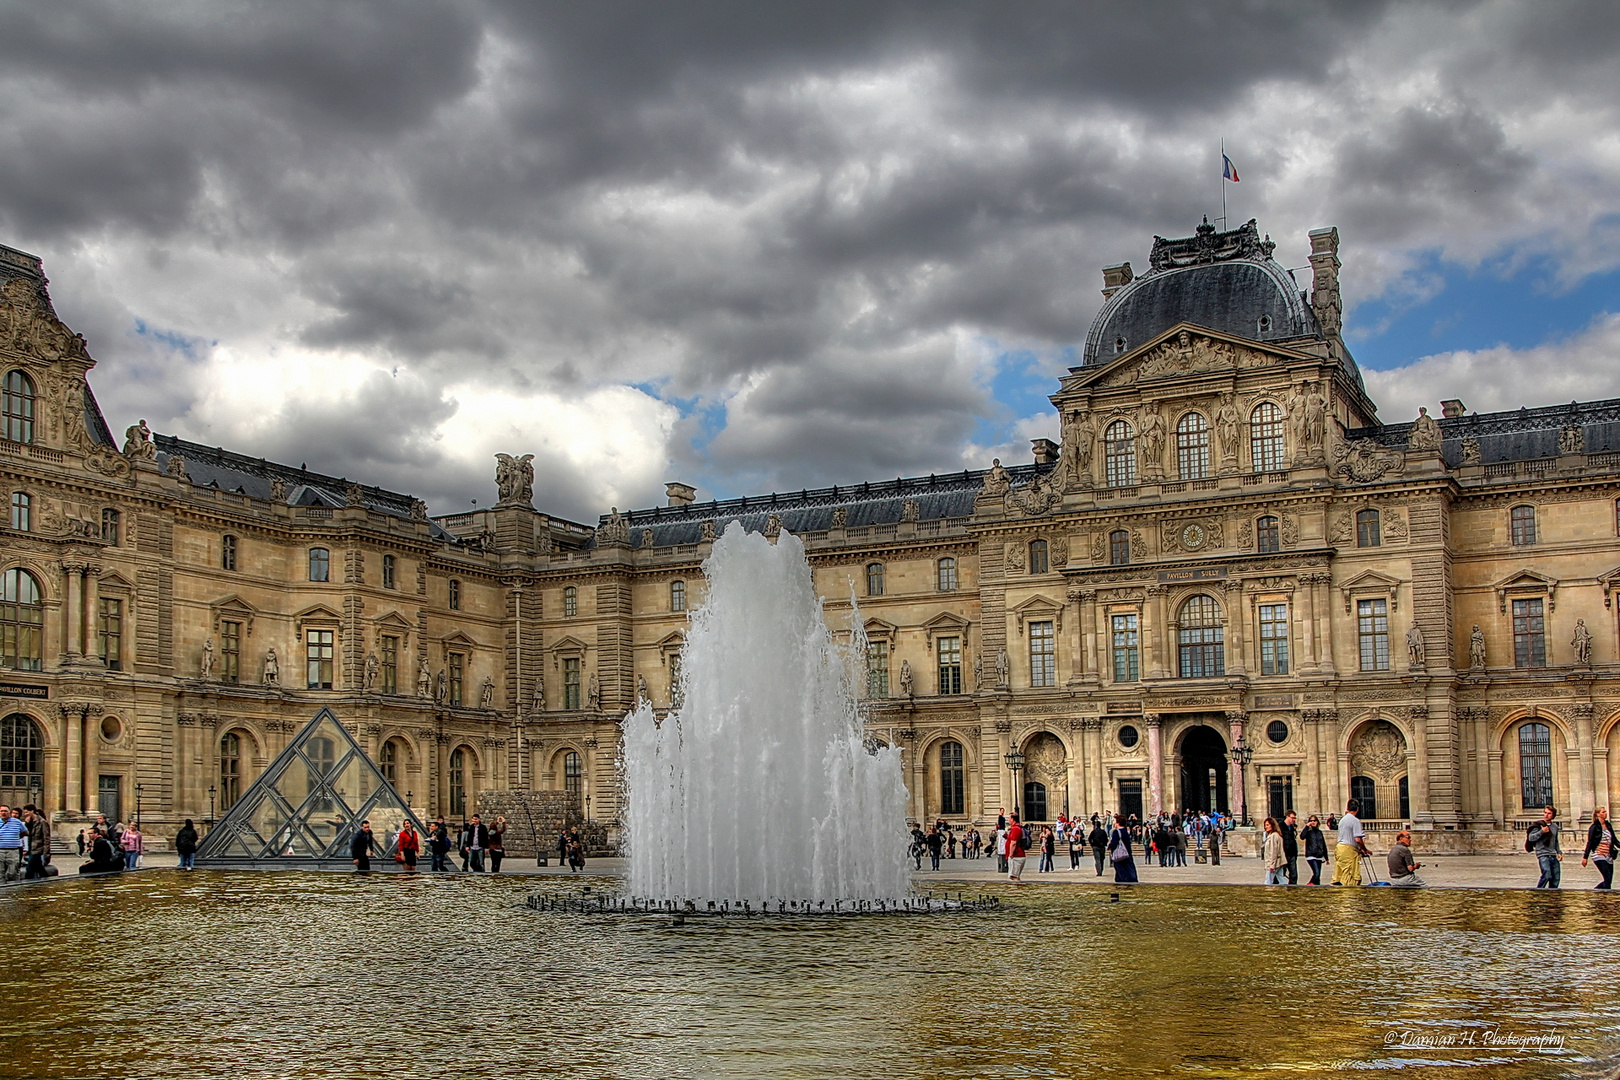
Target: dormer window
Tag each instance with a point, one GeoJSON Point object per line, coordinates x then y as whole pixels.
{"type": "Point", "coordinates": [1265, 323]}
{"type": "Point", "coordinates": [1119, 345]}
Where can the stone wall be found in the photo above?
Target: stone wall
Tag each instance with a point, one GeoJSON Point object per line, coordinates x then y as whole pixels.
{"type": "Point", "coordinates": [526, 812]}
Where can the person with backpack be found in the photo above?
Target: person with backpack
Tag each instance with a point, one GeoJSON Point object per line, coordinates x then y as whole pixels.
{"type": "Point", "coordinates": [1542, 841]}
{"type": "Point", "coordinates": [185, 845]}
{"type": "Point", "coordinates": [1119, 852]}
{"type": "Point", "coordinates": [1600, 847]}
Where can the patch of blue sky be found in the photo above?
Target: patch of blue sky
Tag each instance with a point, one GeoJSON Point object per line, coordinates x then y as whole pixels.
{"type": "Point", "coordinates": [1501, 302]}
{"type": "Point", "coordinates": [1022, 383]}
{"type": "Point", "coordinates": [192, 348]}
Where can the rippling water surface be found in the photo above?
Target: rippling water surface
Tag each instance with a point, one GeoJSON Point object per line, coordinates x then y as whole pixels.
{"type": "Point", "coordinates": [244, 975]}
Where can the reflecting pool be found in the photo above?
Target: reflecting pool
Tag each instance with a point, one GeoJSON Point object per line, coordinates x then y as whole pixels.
{"type": "Point", "coordinates": [247, 975]}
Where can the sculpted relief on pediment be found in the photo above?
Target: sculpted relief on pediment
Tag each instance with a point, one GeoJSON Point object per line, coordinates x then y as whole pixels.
{"type": "Point", "coordinates": [1186, 354]}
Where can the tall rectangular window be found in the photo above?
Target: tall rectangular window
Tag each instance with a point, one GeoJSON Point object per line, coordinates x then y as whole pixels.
{"type": "Point", "coordinates": [1267, 535]}
{"type": "Point", "coordinates": [455, 595]}
{"type": "Point", "coordinates": [1119, 548]}
{"type": "Point", "coordinates": [320, 564]}
{"type": "Point", "coordinates": [571, 682]}
{"type": "Point", "coordinates": [1529, 634]}
{"type": "Point", "coordinates": [950, 664]}
{"type": "Point", "coordinates": [877, 669]}
{"type": "Point", "coordinates": [22, 512]}
{"type": "Point", "coordinates": [677, 596]}
{"type": "Point", "coordinates": [390, 665]}
{"type": "Point", "coordinates": [227, 552]}
{"type": "Point", "coordinates": [1372, 628]}
{"type": "Point", "coordinates": [1273, 639]}
{"type": "Point", "coordinates": [1039, 558]}
{"type": "Point", "coordinates": [230, 652]}
{"type": "Point", "coordinates": [952, 774]}
{"type": "Point", "coordinates": [110, 526]}
{"type": "Point", "coordinates": [1522, 522]}
{"type": "Point", "coordinates": [1368, 531]}
{"type": "Point", "coordinates": [1042, 654]}
{"type": "Point", "coordinates": [112, 633]}
{"type": "Point", "coordinates": [1126, 648]}
{"type": "Point", "coordinates": [570, 602]}
{"type": "Point", "coordinates": [388, 571]}
{"type": "Point", "coordinates": [1535, 766]}
{"type": "Point", "coordinates": [318, 653]}
{"type": "Point", "coordinates": [874, 579]}
{"type": "Point", "coordinates": [458, 664]}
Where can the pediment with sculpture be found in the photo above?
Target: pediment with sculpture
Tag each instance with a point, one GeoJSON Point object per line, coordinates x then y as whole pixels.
{"type": "Point", "coordinates": [1184, 349]}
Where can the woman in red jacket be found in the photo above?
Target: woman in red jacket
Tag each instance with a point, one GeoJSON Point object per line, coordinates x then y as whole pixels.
{"type": "Point", "coordinates": [409, 845]}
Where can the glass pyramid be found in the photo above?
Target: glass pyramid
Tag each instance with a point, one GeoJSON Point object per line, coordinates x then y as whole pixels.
{"type": "Point", "coordinates": [303, 811]}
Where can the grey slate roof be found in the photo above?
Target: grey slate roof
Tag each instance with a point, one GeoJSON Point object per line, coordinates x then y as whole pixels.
{"type": "Point", "coordinates": [1516, 435]}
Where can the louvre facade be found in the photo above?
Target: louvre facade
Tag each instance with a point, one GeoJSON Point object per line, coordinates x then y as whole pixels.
{"type": "Point", "coordinates": [1229, 584]}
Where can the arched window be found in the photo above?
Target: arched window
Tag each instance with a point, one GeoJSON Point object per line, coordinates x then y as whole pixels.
{"type": "Point", "coordinates": [388, 761]}
{"type": "Point", "coordinates": [227, 552]}
{"type": "Point", "coordinates": [677, 596]}
{"type": "Point", "coordinates": [1200, 638]}
{"type": "Point", "coordinates": [1267, 535]}
{"type": "Point", "coordinates": [570, 602]}
{"type": "Point", "coordinates": [874, 579]}
{"type": "Point", "coordinates": [455, 595]}
{"type": "Point", "coordinates": [388, 571]}
{"type": "Point", "coordinates": [1266, 438]}
{"type": "Point", "coordinates": [17, 408]}
{"type": "Point", "coordinates": [230, 769]}
{"type": "Point", "coordinates": [574, 780]}
{"type": "Point", "coordinates": [22, 620]}
{"type": "Point", "coordinates": [22, 511]}
{"type": "Point", "coordinates": [1119, 454]}
{"type": "Point", "coordinates": [22, 772]}
{"type": "Point", "coordinates": [952, 779]}
{"type": "Point", "coordinates": [458, 782]}
{"type": "Point", "coordinates": [947, 575]}
{"type": "Point", "coordinates": [320, 564]}
{"type": "Point", "coordinates": [1368, 531]}
{"type": "Point", "coordinates": [1522, 522]}
{"type": "Point", "coordinates": [110, 526]}
{"type": "Point", "coordinates": [1192, 447]}
{"type": "Point", "coordinates": [1039, 560]}
{"type": "Point", "coordinates": [1365, 792]}
{"type": "Point", "coordinates": [1535, 765]}
{"type": "Point", "coordinates": [1119, 548]}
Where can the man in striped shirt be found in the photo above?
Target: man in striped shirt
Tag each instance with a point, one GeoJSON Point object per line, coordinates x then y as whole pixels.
{"type": "Point", "coordinates": [13, 845]}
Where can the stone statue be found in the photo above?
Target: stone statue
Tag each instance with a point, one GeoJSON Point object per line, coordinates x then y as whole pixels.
{"type": "Point", "coordinates": [514, 478]}
{"type": "Point", "coordinates": [207, 668]}
{"type": "Point", "coordinates": [706, 531]}
{"type": "Point", "coordinates": [1425, 433]}
{"type": "Point", "coordinates": [1152, 436]}
{"type": "Point", "coordinates": [840, 516]}
{"type": "Point", "coordinates": [540, 691]}
{"type": "Point", "coordinates": [1583, 643]}
{"type": "Point", "coordinates": [368, 680]}
{"type": "Point", "coordinates": [278, 490]}
{"type": "Point", "coordinates": [997, 481]}
{"type": "Point", "coordinates": [1571, 439]}
{"type": "Point", "coordinates": [642, 693]}
{"type": "Point", "coordinates": [907, 689]}
{"type": "Point", "coordinates": [486, 693]}
{"type": "Point", "coordinates": [1003, 666]}
{"type": "Point", "coordinates": [272, 668]}
{"type": "Point", "coordinates": [1414, 647]}
{"type": "Point", "coordinates": [1079, 442]}
{"type": "Point", "coordinates": [1315, 417]}
{"type": "Point", "coordinates": [418, 510]}
{"type": "Point", "coordinates": [176, 467]}
{"type": "Point", "coordinates": [593, 694]}
{"type": "Point", "coordinates": [1476, 648]}
{"type": "Point", "coordinates": [138, 444]}
{"type": "Point", "coordinates": [1471, 452]}
{"type": "Point", "coordinates": [614, 530]}
{"type": "Point", "coordinates": [1229, 425]}
{"type": "Point", "coordinates": [441, 687]}
{"type": "Point", "coordinates": [424, 678]}
{"type": "Point", "coordinates": [1296, 419]}
{"type": "Point", "coordinates": [354, 495]}
{"type": "Point", "coordinates": [978, 670]}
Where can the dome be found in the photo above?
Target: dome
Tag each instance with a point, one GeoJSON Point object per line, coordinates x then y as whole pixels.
{"type": "Point", "coordinates": [1225, 281]}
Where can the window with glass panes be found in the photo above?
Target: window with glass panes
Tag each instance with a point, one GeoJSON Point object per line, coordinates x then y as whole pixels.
{"type": "Point", "coordinates": [952, 779]}
{"type": "Point", "coordinates": [389, 673]}
{"type": "Point", "coordinates": [574, 779]}
{"type": "Point", "coordinates": [22, 766]}
{"type": "Point", "coordinates": [1529, 634]}
{"type": "Point", "coordinates": [1267, 535]}
{"type": "Point", "coordinates": [947, 575]}
{"type": "Point", "coordinates": [571, 673]}
{"type": "Point", "coordinates": [230, 652]}
{"type": "Point", "coordinates": [230, 769]}
{"type": "Point", "coordinates": [22, 622]}
{"type": "Point", "coordinates": [949, 650]}
{"type": "Point", "coordinates": [1372, 630]}
{"type": "Point", "coordinates": [17, 408]}
{"type": "Point", "coordinates": [877, 669]}
{"type": "Point", "coordinates": [318, 652]}
{"type": "Point", "coordinates": [1192, 447]}
{"type": "Point", "coordinates": [110, 526]}
{"type": "Point", "coordinates": [227, 553]}
{"type": "Point", "coordinates": [1119, 548]}
{"type": "Point", "coordinates": [110, 629]}
{"type": "Point", "coordinates": [22, 511]}
{"type": "Point", "coordinates": [1273, 639]}
{"type": "Point", "coordinates": [874, 579]}
{"type": "Point", "coordinates": [1126, 646]}
{"type": "Point", "coordinates": [1522, 524]}
{"type": "Point", "coordinates": [570, 602]}
{"type": "Point", "coordinates": [320, 564]}
{"type": "Point", "coordinates": [388, 762]}
{"type": "Point", "coordinates": [1200, 638]}
{"type": "Point", "coordinates": [1266, 438]}
{"type": "Point", "coordinates": [1365, 791]}
{"type": "Point", "coordinates": [677, 596]}
{"type": "Point", "coordinates": [458, 782]}
{"type": "Point", "coordinates": [1042, 654]}
{"type": "Point", "coordinates": [1535, 765]}
{"type": "Point", "coordinates": [1368, 532]}
{"type": "Point", "coordinates": [458, 670]}
{"type": "Point", "coordinates": [388, 571]}
{"type": "Point", "coordinates": [455, 595]}
{"type": "Point", "coordinates": [1119, 454]}
{"type": "Point", "coordinates": [1039, 559]}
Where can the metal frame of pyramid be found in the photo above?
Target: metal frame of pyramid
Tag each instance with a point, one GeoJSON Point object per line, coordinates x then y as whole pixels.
{"type": "Point", "coordinates": [302, 811]}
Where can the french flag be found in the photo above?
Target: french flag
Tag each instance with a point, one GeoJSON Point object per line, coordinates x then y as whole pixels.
{"type": "Point", "coordinates": [1228, 170]}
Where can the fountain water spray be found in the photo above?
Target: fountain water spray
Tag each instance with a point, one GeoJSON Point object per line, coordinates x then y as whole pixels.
{"type": "Point", "coordinates": [761, 785]}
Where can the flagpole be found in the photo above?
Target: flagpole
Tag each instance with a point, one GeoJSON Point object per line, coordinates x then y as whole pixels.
{"type": "Point", "coordinates": [1223, 183]}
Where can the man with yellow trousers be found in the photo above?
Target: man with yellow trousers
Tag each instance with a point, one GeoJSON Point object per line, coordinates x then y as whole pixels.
{"type": "Point", "coordinates": [1352, 847]}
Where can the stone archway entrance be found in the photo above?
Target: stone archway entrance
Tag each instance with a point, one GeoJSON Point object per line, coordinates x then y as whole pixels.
{"type": "Point", "coordinates": [1203, 770]}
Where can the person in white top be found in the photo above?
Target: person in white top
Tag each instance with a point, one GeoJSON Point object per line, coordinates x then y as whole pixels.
{"type": "Point", "coordinates": [1352, 847]}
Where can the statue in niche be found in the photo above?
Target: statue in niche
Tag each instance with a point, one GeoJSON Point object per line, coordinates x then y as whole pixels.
{"type": "Point", "coordinates": [1295, 408]}
{"type": "Point", "coordinates": [486, 693]}
{"type": "Point", "coordinates": [368, 680]}
{"type": "Point", "coordinates": [642, 693]}
{"type": "Point", "coordinates": [1229, 426]}
{"type": "Point", "coordinates": [424, 678]}
{"type": "Point", "coordinates": [1582, 643]}
{"type": "Point", "coordinates": [997, 481]}
{"type": "Point", "coordinates": [540, 691]}
{"type": "Point", "coordinates": [272, 668]}
{"type": "Point", "coordinates": [1315, 417]}
{"type": "Point", "coordinates": [1476, 648]}
{"type": "Point", "coordinates": [207, 666]}
{"type": "Point", "coordinates": [1079, 442]}
{"type": "Point", "coordinates": [1152, 436]}
{"type": "Point", "coordinates": [1414, 647]}
{"type": "Point", "coordinates": [138, 444]}
{"type": "Point", "coordinates": [1003, 666]}
{"type": "Point", "coordinates": [441, 687]}
{"type": "Point", "coordinates": [907, 688]}
{"type": "Point", "coordinates": [978, 669]}
{"type": "Point", "coordinates": [1425, 433]}
{"type": "Point", "coordinates": [593, 694]}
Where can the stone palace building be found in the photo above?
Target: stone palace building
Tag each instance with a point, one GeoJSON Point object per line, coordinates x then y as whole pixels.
{"type": "Point", "coordinates": [1229, 585]}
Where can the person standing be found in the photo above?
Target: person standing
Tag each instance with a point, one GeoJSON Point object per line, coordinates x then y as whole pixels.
{"type": "Point", "coordinates": [1600, 847]}
{"type": "Point", "coordinates": [1543, 842]}
{"type": "Point", "coordinates": [562, 844]}
{"type": "Point", "coordinates": [1016, 852]}
{"type": "Point", "coordinates": [1001, 848]}
{"type": "Point", "coordinates": [408, 844]}
{"type": "Point", "coordinates": [1402, 867]}
{"type": "Point", "coordinates": [1048, 849]}
{"type": "Point", "coordinates": [439, 845]}
{"type": "Point", "coordinates": [1315, 848]}
{"type": "Point", "coordinates": [13, 845]}
{"type": "Point", "coordinates": [185, 845]}
{"type": "Point", "coordinates": [133, 844]}
{"type": "Point", "coordinates": [1119, 852]}
{"type": "Point", "coordinates": [935, 844]}
{"type": "Point", "coordinates": [81, 843]}
{"type": "Point", "coordinates": [360, 848]}
{"type": "Point", "coordinates": [1271, 853]}
{"type": "Point", "coordinates": [474, 842]}
{"type": "Point", "coordinates": [497, 844]}
{"type": "Point", "coordinates": [1098, 839]}
{"type": "Point", "coordinates": [1352, 847]}
{"type": "Point", "coordinates": [1289, 830]}
{"type": "Point", "coordinates": [1076, 844]}
{"type": "Point", "coordinates": [39, 841]}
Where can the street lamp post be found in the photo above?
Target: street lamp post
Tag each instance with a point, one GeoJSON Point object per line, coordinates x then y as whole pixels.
{"type": "Point", "coordinates": [1243, 753]}
{"type": "Point", "coordinates": [1015, 765]}
{"type": "Point", "coordinates": [211, 807]}
{"type": "Point", "coordinates": [138, 789]}
{"type": "Point", "coordinates": [35, 792]}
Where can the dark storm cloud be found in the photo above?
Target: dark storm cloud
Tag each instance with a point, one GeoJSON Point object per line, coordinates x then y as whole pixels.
{"type": "Point", "coordinates": [798, 216]}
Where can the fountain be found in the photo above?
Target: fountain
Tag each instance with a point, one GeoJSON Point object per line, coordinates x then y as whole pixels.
{"type": "Point", "coordinates": [760, 787]}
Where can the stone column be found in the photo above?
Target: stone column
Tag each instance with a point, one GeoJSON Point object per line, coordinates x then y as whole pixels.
{"type": "Point", "coordinates": [1237, 628]}
{"type": "Point", "coordinates": [73, 610]}
{"type": "Point", "coordinates": [1155, 763]}
{"type": "Point", "coordinates": [1004, 784]}
{"type": "Point", "coordinates": [1306, 620]}
{"type": "Point", "coordinates": [1322, 620]}
{"type": "Point", "coordinates": [1236, 775]}
{"type": "Point", "coordinates": [72, 759]}
{"type": "Point", "coordinates": [1582, 788]}
{"type": "Point", "coordinates": [92, 762]}
{"type": "Point", "coordinates": [1085, 625]}
{"type": "Point", "coordinates": [92, 613]}
{"type": "Point", "coordinates": [1152, 629]}
{"type": "Point", "coordinates": [1311, 718]}
{"type": "Point", "coordinates": [1498, 810]}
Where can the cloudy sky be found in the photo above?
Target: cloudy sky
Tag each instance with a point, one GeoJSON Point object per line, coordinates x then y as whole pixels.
{"type": "Point", "coordinates": [760, 246]}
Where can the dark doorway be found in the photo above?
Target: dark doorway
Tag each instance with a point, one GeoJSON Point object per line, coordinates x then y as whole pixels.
{"type": "Point", "coordinates": [1203, 769]}
{"type": "Point", "coordinates": [1279, 796]}
{"type": "Point", "coordinates": [109, 797]}
{"type": "Point", "coordinates": [1130, 798]}
{"type": "Point", "coordinates": [1034, 801]}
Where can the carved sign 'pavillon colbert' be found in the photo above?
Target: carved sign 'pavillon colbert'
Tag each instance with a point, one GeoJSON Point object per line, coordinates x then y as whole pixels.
{"type": "Point", "coordinates": [1225, 546]}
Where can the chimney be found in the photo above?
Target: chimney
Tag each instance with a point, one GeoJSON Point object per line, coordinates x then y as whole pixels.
{"type": "Point", "coordinates": [1046, 451]}
{"type": "Point", "coordinates": [1451, 407]}
{"type": "Point", "coordinates": [680, 494]}
{"type": "Point", "coordinates": [1116, 278]}
{"type": "Point", "coordinates": [1325, 280]}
